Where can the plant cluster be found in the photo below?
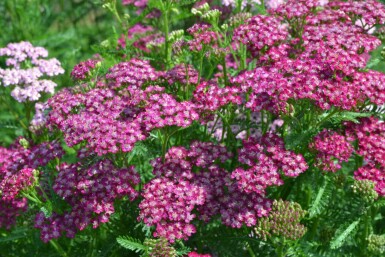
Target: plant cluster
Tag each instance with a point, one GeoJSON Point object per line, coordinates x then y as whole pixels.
{"type": "Point", "coordinates": [207, 128]}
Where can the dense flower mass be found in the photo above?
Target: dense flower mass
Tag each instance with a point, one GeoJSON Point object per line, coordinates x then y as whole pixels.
{"type": "Point", "coordinates": [260, 32]}
{"type": "Point", "coordinates": [17, 173]}
{"type": "Point", "coordinates": [113, 116]}
{"type": "Point", "coordinates": [370, 137]}
{"type": "Point", "coordinates": [266, 156]}
{"type": "Point", "coordinates": [91, 193]}
{"type": "Point", "coordinates": [332, 149]}
{"type": "Point", "coordinates": [177, 191]}
{"type": "Point", "coordinates": [26, 67]}
{"type": "Point", "coordinates": [201, 124]}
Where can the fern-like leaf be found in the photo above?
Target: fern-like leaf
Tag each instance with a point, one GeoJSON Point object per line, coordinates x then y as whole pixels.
{"type": "Point", "coordinates": [132, 244]}
{"type": "Point", "coordinates": [350, 116]}
{"type": "Point", "coordinates": [321, 199]}
{"type": "Point", "coordinates": [343, 233]}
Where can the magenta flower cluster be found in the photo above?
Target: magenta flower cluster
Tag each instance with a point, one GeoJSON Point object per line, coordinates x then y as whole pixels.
{"type": "Point", "coordinates": [266, 156]}
{"type": "Point", "coordinates": [370, 137]}
{"type": "Point", "coordinates": [171, 197]}
{"type": "Point", "coordinates": [17, 173]}
{"type": "Point", "coordinates": [26, 66]}
{"type": "Point", "coordinates": [323, 60]}
{"type": "Point", "coordinates": [82, 70]}
{"type": "Point", "coordinates": [115, 115]}
{"type": "Point", "coordinates": [332, 149]}
{"type": "Point", "coordinates": [91, 193]}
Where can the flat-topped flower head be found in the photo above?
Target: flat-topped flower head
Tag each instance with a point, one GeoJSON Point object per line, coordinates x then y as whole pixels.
{"type": "Point", "coordinates": [27, 71]}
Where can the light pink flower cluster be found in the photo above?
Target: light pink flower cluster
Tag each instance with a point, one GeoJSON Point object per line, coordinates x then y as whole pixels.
{"type": "Point", "coordinates": [26, 67]}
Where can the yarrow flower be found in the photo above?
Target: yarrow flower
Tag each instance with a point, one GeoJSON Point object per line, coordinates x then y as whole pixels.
{"type": "Point", "coordinates": [114, 115]}
{"type": "Point", "coordinates": [82, 70]}
{"type": "Point", "coordinates": [370, 137]}
{"type": "Point", "coordinates": [332, 149]}
{"type": "Point", "coordinates": [266, 156]}
{"type": "Point", "coordinates": [91, 193]}
{"type": "Point", "coordinates": [25, 70]}
{"type": "Point", "coordinates": [18, 166]}
{"type": "Point", "coordinates": [171, 197]}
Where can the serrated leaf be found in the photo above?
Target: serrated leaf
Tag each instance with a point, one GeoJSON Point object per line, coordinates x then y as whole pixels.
{"type": "Point", "coordinates": [132, 244]}
{"type": "Point", "coordinates": [320, 199]}
{"type": "Point", "coordinates": [342, 234]}
{"type": "Point", "coordinates": [350, 116]}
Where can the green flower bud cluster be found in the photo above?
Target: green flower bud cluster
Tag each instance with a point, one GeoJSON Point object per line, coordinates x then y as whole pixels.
{"type": "Point", "coordinates": [283, 220]}
{"type": "Point", "coordinates": [376, 244]}
{"type": "Point", "coordinates": [24, 143]}
{"type": "Point", "coordinates": [239, 19]}
{"type": "Point", "coordinates": [365, 190]}
{"type": "Point", "coordinates": [204, 11]}
{"type": "Point", "coordinates": [159, 248]}
{"type": "Point", "coordinates": [176, 35]}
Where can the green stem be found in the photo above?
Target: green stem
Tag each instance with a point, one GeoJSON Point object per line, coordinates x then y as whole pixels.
{"type": "Point", "coordinates": [225, 71]}
{"type": "Point", "coordinates": [166, 38]}
{"type": "Point", "coordinates": [250, 250]}
{"type": "Point", "coordinates": [58, 248]}
{"type": "Point", "coordinates": [280, 248]}
{"type": "Point", "coordinates": [200, 67]}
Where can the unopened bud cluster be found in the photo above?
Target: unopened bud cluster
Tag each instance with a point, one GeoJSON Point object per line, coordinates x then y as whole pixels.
{"type": "Point", "coordinates": [365, 189]}
{"type": "Point", "coordinates": [283, 220]}
{"type": "Point", "coordinates": [376, 244]}
{"type": "Point", "coordinates": [159, 248]}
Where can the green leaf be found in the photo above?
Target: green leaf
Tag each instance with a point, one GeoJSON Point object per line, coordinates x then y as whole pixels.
{"type": "Point", "coordinates": [350, 116]}
{"type": "Point", "coordinates": [321, 199]}
{"type": "Point", "coordinates": [132, 244]}
{"type": "Point", "coordinates": [342, 234]}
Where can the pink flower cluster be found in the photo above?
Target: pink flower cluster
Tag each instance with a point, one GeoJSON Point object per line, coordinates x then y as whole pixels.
{"type": "Point", "coordinates": [91, 192]}
{"type": "Point", "coordinates": [192, 179]}
{"type": "Point", "coordinates": [260, 32]}
{"type": "Point", "coordinates": [368, 12]}
{"type": "Point", "coordinates": [203, 36]}
{"type": "Point", "coordinates": [323, 63]}
{"type": "Point", "coordinates": [17, 165]}
{"type": "Point", "coordinates": [140, 36]}
{"type": "Point", "coordinates": [266, 156]}
{"type": "Point", "coordinates": [195, 254]}
{"type": "Point", "coordinates": [10, 209]}
{"type": "Point", "coordinates": [370, 137]}
{"type": "Point", "coordinates": [332, 149]}
{"type": "Point", "coordinates": [210, 97]}
{"type": "Point", "coordinates": [115, 115]}
{"type": "Point", "coordinates": [26, 67]}
{"type": "Point", "coordinates": [133, 73]}
{"type": "Point", "coordinates": [82, 70]}
{"type": "Point", "coordinates": [182, 74]}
